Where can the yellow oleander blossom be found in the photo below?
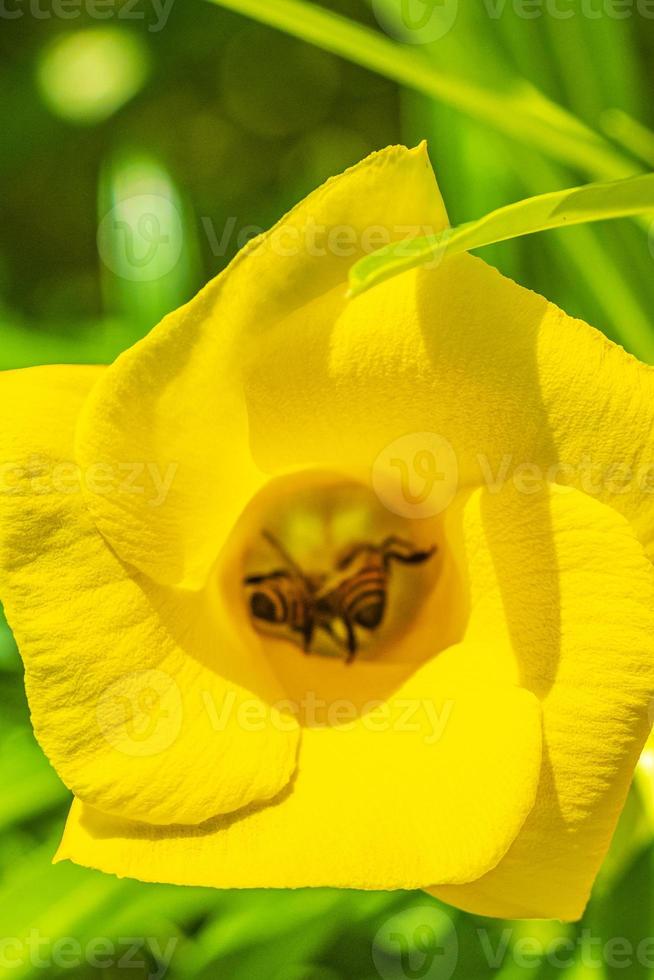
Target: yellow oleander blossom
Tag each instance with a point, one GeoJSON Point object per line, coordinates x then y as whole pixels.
{"type": "Point", "coordinates": [245, 468]}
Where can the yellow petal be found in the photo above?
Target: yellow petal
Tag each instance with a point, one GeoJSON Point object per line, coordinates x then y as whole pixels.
{"type": "Point", "coordinates": [522, 393]}
{"type": "Point", "coordinates": [561, 601]}
{"type": "Point", "coordinates": [389, 801]}
{"type": "Point", "coordinates": [176, 399]}
{"type": "Point", "coordinates": [141, 699]}
{"type": "Point", "coordinates": [578, 600]}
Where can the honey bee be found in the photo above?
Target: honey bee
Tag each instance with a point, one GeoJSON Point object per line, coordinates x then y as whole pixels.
{"type": "Point", "coordinates": [353, 595]}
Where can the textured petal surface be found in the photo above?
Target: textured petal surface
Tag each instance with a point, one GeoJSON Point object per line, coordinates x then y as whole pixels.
{"type": "Point", "coordinates": [176, 399]}
{"type": "Point", "coordinates": [386, 802]}
{"type": "Point", "coordinates": [523, 393]}
{"type": "Point", "coordinates": [126, 682]}
{"type": "Point", "coordinates": [578, 601]}
{"type": "Point", "coordinates": [561, 601]}
{"type": "Point", "coordinates": [286, 374]}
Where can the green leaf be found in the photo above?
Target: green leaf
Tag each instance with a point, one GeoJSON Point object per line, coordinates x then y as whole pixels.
{"type": "Point", "coordinates": [9, 659]}
{"type": "Point", "coordinates": [146, 242]}
{"type": "Point", "coordinates": [630, 133]}
{"type": "Point", "coordinates": [24, 344]}
{"type": "Point", "coordinates": [37, 899]}
{"type": "Point", "coordinates": [250, 920]}
{"type": "Point", "coordinates": [31, 785]}
{"type": "Point", "coordinates": [577, 205]}
{"type": "Point", "coordinates": [519, 110]}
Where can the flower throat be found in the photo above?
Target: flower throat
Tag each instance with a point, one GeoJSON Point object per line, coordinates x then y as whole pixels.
{"type": "Point", "coordinates": [332, 610]}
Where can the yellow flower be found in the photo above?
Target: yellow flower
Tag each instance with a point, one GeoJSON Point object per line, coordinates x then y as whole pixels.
{"type": "Point", "coordinates": [482, 742]}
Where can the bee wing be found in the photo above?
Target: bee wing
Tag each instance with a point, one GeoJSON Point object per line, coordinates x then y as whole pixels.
{"type": "Point", "coordinates": [329, 584]}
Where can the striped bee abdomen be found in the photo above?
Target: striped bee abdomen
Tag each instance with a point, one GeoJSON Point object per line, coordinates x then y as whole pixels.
{"type": "Point", "coordinates": [280, 599]}
{"type": "Point", "coordinates": [362, 598]}
{"type": "Point", "coordinates": [355, 595]}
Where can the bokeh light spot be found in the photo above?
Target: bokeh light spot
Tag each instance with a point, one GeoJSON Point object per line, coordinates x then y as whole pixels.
{"type": "Point", "coordinates": [87, 75]}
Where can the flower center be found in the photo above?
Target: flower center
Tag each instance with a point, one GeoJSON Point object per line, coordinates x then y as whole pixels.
{"type": "Point", "coordinates": [327, 568]}
{"type": "Point", "coordinates": [335, 608]}
{"type": "Point", "coordinates": [338, 593]}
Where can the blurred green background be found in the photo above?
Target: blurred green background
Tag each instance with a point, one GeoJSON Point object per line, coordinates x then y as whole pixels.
{"type": "Point", "coordinates": [194, 125]}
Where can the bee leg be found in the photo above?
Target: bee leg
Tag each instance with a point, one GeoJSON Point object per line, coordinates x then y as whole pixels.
{"type": "Point", "coordinates": [331, 632]}
{"type": "Point", "coordinates": [351, 641]}
{"type": "Point", "coordinates": [413, 558]}
{"type": "Point", "coordinates": [348, 556]}
{"type": "Point", "coordinates": [307, 638]}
